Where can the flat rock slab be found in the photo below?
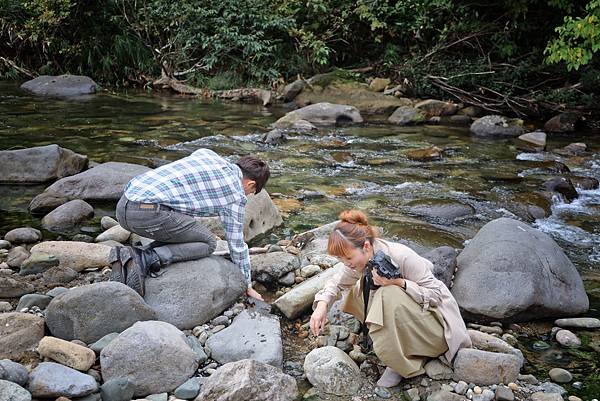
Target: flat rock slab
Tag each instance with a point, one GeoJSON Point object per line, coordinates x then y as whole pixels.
{"type": "Point", "coordinates": [106, 181]}
{"type": "Point", "coordinates": [251, 335]}
{"type": "Point", "coordinates": [51, 379]}
{"type": "Point", "coordinates": [485, 368]}
{"type": "Point", "coordinates": [19, 334]}
{"type": "Point", "coordinates": [90, 312]}
{"type": "Point", "coordinates": [39, 164]}
{"type": "Point", "coordinates": [191, 293]}
{"type": "Point", "coordinates": [579, 323]}
{"type": "Point", "coordinates": [61, 85]}
{"type": "Point", "coordinates": [321, 114]}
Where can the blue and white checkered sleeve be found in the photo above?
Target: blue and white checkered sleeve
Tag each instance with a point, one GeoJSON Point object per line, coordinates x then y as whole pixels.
{"type": "Point", "coordinates": [233, 221]}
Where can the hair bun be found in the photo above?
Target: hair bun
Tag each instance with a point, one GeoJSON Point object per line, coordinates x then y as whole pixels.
{"type": "Point", "coordinates": [354, 216]}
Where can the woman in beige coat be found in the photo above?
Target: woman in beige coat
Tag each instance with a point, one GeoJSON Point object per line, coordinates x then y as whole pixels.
{"type": "Point", "coordinates": [410, 319]}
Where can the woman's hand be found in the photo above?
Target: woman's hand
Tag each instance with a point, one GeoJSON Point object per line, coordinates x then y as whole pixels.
{"type": "Point", "coordinates": [251, 292]}
{"type": "Point", "coordinates": [382, 281]}
{"type": "Point", "coordinates": [318, 318]}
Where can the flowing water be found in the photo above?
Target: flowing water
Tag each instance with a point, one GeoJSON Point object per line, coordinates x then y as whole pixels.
{"type": "Point", "coordinates": [315, 176]}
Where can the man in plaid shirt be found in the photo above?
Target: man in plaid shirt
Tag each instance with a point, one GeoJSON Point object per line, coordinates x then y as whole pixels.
{"type": "Point", "coordinates": [161, 203]}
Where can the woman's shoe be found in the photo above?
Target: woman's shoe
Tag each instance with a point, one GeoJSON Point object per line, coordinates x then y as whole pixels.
{"type": "Point", "coordinates": [389, 378]}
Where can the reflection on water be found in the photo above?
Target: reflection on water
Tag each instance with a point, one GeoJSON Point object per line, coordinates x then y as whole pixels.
{"type": "Point", "coordinates": [363, 166]}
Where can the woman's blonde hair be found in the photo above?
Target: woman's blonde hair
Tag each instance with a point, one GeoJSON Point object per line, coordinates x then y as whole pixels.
{"type": "Point", "coordinates": [352, 231]}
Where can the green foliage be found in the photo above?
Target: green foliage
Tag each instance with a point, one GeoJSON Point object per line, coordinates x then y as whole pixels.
{"type": "Point", "coordinates": [229, 43]}
{"type": "Point", "coordinates": [578, 39]}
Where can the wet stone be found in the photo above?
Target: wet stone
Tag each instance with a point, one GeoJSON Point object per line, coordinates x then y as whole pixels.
{"type": "Point", "coordinates": [540, 345]}
{"type": "Point", "coordinates": [581, 323]}
{"type": "Point", "coordinates": [382, 392]}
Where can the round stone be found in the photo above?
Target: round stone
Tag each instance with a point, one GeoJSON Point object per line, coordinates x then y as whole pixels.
{"type": "Point", "coordinates": [567, 339]}
{"type": "Point", "coordinates": [559, 375]}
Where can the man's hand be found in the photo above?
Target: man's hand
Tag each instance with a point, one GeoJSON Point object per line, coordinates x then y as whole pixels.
{"type": "Point", "coordinates": [251, 292]}
{"type": "Point", "coordinates": [318, 318]}
{"type": "Point", "coordinates": [382, 281]}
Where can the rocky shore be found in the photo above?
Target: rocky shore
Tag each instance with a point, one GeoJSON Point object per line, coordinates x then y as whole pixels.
{"type": "Point", "coordinates": [67, 333]}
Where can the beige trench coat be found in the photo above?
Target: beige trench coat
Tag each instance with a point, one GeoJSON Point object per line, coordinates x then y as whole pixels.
{"type": "Point", "coordinates": [421, 286]}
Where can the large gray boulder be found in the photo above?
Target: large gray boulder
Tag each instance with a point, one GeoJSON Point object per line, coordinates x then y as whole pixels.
{"type": "Point", "coordinates": [106, 181]}
{"type": "Point", "coordinates": [191, 293]}
{"type": "Point", "coordinates": [74, 254]}
{"type": "Point", "coordinates": [261, 216]}
{"type": "Point", "coordinates": [52, 380]}
{"type": "Point", "coordinates": [300, 298]}
{"type": "Point", "coordinates": [68, 215]}
{"type": "Point", "coordinates": [332, 371]}
{"type": "Point", "coordinates": [153, 355]}
{"type": "Point", "coordinates": [321, 114]}
{"type": "Point", "coordinates": [496, 126]}
{"type": "Point", "coordinates": [10, 391]}
{"type": "Point", "coordinates": [61, 85]}
{"type": "Point", "coordinates": [511, 271]}
{"type": "Point", "coordinates": [90, 312]}
{"type": "Point", "coordinates": [20, 333]}
{"type": "Point", "coordinates": [249, 380]}
{"type": "Point", "coordinates": [39, 164]}
{"type": "Point", "coordinates": [251, 335]}
{"type": "Point", "coordinates": [269, 267]}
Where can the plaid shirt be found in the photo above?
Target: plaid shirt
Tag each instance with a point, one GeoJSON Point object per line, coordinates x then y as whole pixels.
{"type": "Point", "coordinates": [202, 184]}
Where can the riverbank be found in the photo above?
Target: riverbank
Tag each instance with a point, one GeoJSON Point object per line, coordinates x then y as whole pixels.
{"type": "Point", "coordinates": [444, 200]}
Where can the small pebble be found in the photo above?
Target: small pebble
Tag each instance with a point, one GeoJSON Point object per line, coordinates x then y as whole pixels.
{"type": "Point", "coordinates": [197, 330]}
{"type": "Point", "coordinates": [216, 329]}
{"type": "Point", "coordinates": [513, 386]}
{"type": "Point", "coordinates": [210, 371]}
{"type": "Point", "coordinates": [577, 385]}
{"type": "Point", "coordinates": [574, 398]}
{"type": "Point", "coordinates": [461, 387]}
{"type": "Point", "coordinates": [477, 390]}
{"type": "Point", "coordinates": [425, 383]}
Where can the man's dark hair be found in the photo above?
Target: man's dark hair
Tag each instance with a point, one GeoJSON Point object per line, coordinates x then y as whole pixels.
{"type": "Point", "coordinates": [254, 169]}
